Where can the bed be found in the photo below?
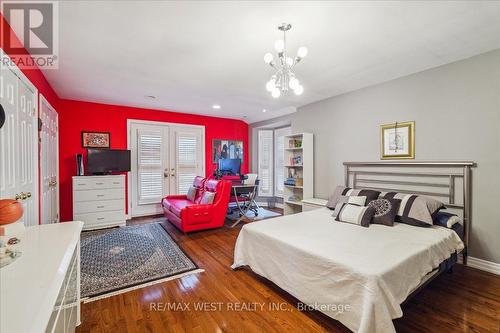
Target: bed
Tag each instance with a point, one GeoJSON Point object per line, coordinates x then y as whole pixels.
{"type": "Point", "coordinates": [359, 276]}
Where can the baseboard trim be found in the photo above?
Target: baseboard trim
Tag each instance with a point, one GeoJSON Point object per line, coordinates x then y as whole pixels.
{"type": "Point", "coordinates": [484, 265]}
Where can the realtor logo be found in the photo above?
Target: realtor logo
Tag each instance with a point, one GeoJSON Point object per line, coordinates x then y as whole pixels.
{"type": "Point", "coordinates": [34, 29]}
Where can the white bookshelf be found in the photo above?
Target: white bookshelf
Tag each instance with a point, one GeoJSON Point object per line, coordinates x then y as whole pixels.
{"type": "Point", "coordinates": [299, 163]}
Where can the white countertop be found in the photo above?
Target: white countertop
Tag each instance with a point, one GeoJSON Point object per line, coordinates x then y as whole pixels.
{"type": "Point", "coordinates": [29, 286]}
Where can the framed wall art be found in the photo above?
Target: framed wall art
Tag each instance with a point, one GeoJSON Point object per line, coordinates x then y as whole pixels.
{"type": "Point", "coordinates": [96, 139]}
{"type": "Point", "coordinates": [226, 149]}
{"type": "Point", "coordinates": [398, 140]}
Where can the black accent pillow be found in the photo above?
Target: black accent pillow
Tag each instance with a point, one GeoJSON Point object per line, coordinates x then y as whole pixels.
{"type": "Point", "coordinates": [347, 191]}
{"type": "Point", "coordinates": [385, 211]}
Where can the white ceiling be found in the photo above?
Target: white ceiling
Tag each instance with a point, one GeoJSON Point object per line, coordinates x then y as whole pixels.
{"type": "Point", "coordinates": [194, 54]}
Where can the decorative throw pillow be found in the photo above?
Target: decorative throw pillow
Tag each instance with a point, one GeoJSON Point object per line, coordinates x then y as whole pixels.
{"type": "Point", "coordinates": [347, 191]}
{"type": "Point", "coordinates": [355, 200]}
{"type": "Point", "coordinates": [415, 209]}
{"type": "Point", "coordinates": [385, 211]}
{"type": "Point", "coordinates": [447, 220]}
{"type": "Point", "coordinates": [355, 214]}
{"type": "Point", "coordinates": [207, 198]}
{"type": "Point", "coordinates": [191, 195]}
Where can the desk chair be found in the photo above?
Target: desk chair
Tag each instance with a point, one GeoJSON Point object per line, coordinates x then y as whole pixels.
{"type": "Point", "coordinates": [253, 179]}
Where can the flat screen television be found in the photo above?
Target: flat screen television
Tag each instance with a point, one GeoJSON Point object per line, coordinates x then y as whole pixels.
{"type": "Point", "coordinates": [230, 166]}
{"type": "Point", "coordinates": [106, 161]}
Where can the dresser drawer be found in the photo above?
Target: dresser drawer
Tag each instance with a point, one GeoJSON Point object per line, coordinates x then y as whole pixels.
{"type": "Point", "coordinates": [91, 219]}
{"type": "Point", "coordinates": [82, 207]}
{"type": "Point", "coordinates": [96, 183]}
{"type": "Point", "coordinates": [90, 195]}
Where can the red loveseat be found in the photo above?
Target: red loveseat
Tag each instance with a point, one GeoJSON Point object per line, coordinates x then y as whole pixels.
{"type": "Point", "coordinates": [190, 215]}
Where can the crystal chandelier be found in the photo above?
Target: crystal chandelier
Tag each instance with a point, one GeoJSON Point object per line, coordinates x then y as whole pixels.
{"type": "Point", "coordinates": [284, 78]}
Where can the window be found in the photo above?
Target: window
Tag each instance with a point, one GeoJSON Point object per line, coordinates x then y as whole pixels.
{"type": "Point", "coordinates": [265, 159]}
{"type": "Point", "coordinates": [279, 146]}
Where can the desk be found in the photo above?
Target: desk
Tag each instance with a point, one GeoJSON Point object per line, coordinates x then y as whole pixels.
{"type": "Point", "coordinates": [249, 190]}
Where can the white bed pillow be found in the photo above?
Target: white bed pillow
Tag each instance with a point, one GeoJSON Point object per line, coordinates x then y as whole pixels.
{"type": "Point", "coordinates": [355, 200]}
{"type": "Point", "coordinates": [354, 214]}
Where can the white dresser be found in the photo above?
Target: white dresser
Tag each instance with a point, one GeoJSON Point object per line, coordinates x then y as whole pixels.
{"type": "Point", "coordinates": [99, 201]}
{"type": "Point", "coordinates": [40, 291]}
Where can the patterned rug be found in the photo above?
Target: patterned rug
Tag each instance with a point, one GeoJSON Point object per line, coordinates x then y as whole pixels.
{"type": "Point", "coordinates": [117, 260]}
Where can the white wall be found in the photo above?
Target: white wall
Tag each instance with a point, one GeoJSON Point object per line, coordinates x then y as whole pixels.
{"type": "Point", "coordinates": [456, 108]}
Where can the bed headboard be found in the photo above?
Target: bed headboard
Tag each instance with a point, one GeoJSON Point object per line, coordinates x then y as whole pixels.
{"type": "Point", "coordinates": [449, 182]}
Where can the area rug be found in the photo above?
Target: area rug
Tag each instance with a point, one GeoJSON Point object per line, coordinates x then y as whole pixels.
{"type": "Point", "coordinates": [117, 260]}
{"type": "Point", "coordinates": [262, 214]}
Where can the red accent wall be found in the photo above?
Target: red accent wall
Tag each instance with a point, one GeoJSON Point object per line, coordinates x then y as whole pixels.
{"type": "Point", "coordinates": [76, 116]}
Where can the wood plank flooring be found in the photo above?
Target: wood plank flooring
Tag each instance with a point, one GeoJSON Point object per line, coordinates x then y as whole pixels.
{"type": "Point", "coordinates": [466, 301]}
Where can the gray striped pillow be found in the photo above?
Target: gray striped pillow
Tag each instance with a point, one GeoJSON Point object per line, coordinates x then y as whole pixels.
{"type": "Point", "coordinates": [415, 209]}
{"type": "Point", "coordinates": [354, 214]}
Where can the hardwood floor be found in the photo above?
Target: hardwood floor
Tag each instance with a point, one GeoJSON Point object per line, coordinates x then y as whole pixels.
{"type": "Point", "coordinates": [466, 301]}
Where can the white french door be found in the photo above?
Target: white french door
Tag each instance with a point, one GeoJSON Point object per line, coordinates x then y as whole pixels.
{"type": "Point", "coordinates": [165, 159]}
{"type": "Point", "coordinates": [49, 158]}
{"type": "Point", "coordinates": [19, 142]}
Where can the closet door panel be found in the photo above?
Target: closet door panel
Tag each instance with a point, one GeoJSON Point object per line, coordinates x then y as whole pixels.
{"type": "Point", "coordinates": [8, 135]}
{"type": "Point", "coordinates": [27, 166]}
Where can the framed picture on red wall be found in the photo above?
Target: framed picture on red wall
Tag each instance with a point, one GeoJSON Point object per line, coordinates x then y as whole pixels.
{"type": "Point", "coordinates": [225, 149]}
{"type": "Point", "coordinates": [96, 139]}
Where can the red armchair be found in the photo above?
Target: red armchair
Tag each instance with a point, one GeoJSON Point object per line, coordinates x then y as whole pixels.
{"type": "Point", "coordinates": [190, 215]}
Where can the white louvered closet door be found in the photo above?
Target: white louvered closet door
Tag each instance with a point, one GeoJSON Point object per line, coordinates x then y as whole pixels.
{"type": "Point", "coordinates": [165, 160]}
{"type": "Point", "coordinates": [265, 158]}
{"type": "Point", "coordinates": [188, 162]}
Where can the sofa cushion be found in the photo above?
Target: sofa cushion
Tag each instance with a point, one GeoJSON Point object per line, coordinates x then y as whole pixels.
{"type": "Point", "coordinates": [207, 198]}
{"type": "Point", "coordinates": [198, 182]}
{"type": "Point", "coordinates": [176, 205]}
{"type": "Point", "coordinates": [211, 185]}
{"type": "Point", "coordinates": [191, 194]}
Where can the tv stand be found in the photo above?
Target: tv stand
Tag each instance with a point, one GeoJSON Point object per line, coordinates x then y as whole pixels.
{"type": "Point", "coordinates": [99, 201]}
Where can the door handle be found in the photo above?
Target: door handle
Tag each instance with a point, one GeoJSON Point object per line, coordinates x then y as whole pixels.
{"type": "Point", "coordinates": [165, 173]}
{"type": "Point", "coordinates": [28, 195]}
{"type": "Point", "coordinates": [18, 196]}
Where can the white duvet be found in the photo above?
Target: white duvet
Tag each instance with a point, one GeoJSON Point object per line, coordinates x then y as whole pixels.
{"type": "Point", "coordinates": [332, 265]}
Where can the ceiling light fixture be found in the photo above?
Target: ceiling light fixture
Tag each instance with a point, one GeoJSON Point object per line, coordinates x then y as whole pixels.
{"type": "Point", "coordinates": [216, 106]}
{"type": "Point", "coordinates": [284, 78]}
{"type": "Point", "coordinates": [150, 96]}
{"type": "Point", "coordinates": [264, 110]}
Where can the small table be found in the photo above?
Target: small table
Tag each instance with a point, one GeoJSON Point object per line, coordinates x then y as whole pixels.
{"type": "Point", "coordinates": [243, 206]}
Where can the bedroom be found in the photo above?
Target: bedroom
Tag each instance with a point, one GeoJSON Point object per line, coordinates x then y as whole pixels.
{"type": "Point", "coordinates": [186, 89]}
